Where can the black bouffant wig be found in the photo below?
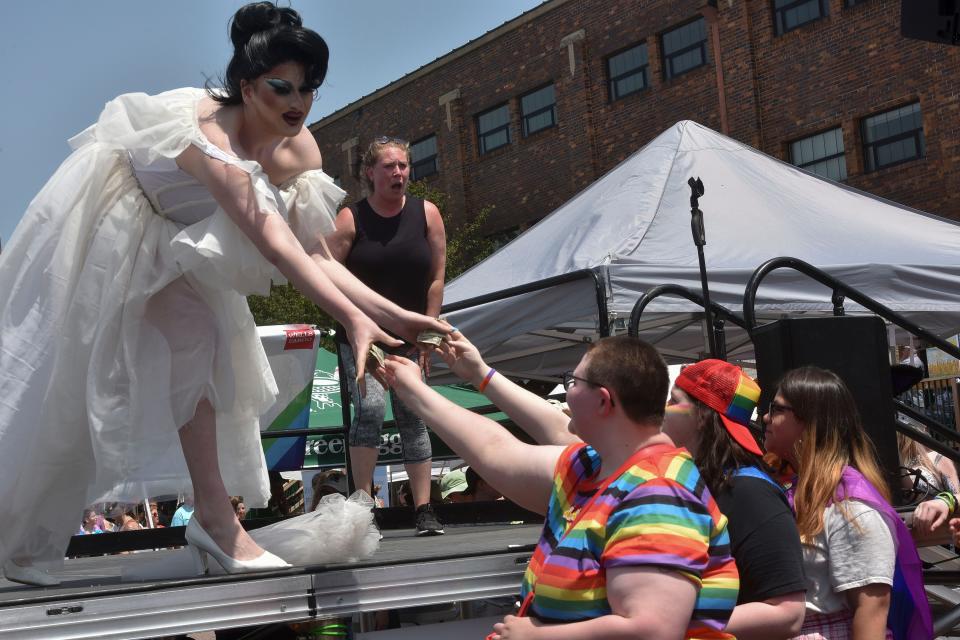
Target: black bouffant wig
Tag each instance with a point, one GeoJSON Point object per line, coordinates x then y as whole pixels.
{"type": "Point", "coordinates": [265, 35]}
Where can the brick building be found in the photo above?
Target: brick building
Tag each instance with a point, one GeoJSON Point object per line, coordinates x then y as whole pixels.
{"type": "Point", "coordinates": [527, 115]}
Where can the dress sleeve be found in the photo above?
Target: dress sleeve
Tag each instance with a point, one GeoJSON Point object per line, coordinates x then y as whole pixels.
{"type": "Point", "coordinates": [311, 199]}
{"type": "Point", "coordinates": [149, 127]}
{"type": "Point", "coordinates": [861, 550]}
{"type": "Point", "coordinates": [660, 524]}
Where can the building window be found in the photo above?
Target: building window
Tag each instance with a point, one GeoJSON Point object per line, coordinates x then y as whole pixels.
{"type": "Point", "coordinates": [493, 128]}
{"type": "Point", "coordinates": [423, 155]}
{"type": "Point", "coordinates": [684, 48]}
{"type": "Point", "coordinates": [538, 110]}
{"type": "Point", "coordinates": [893, 137]}
{"type": "Point", "coordinates": [627, 72]}
{"type": "Point", "coordinates": [790, 14]}
{"type": "Point", "coordinates": [821, 154]}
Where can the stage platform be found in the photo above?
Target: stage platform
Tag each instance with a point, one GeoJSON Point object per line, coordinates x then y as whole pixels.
{"type": "Point", "coordinates": [470, 562]}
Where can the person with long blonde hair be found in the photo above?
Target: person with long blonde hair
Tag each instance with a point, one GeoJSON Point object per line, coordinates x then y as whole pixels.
{"type": "Point", "coordinates": [863, 574]}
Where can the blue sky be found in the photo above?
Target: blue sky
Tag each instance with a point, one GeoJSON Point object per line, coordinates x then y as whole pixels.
{"type": "Point", "coordinates": [63, 59]}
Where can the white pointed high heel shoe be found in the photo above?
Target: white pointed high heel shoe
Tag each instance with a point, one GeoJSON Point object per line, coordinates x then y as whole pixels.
{"type": "Point", "coordinates": [28, 575]}
{"type": "Point", "coordinates": [202, 544]}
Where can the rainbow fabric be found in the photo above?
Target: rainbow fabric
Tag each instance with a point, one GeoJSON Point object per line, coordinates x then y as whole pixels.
{"type": "Point", "coordinates": [745, 398]}
{"type": "Point", "coordinates": [657, 513]}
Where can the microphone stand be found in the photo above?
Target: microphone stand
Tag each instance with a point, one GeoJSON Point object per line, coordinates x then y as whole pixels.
{"type": "Point", "coordinates": [715, 336]}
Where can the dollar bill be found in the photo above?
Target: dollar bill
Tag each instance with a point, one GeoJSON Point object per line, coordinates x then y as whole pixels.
{"type": "Point", "coordinates": [375, 357]}
{"type": "Point", "coordinates": [433, 338]}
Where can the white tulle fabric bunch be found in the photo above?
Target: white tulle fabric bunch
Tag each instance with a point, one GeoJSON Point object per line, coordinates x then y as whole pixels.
{"type": "Point", "coordinates": [339, 530]}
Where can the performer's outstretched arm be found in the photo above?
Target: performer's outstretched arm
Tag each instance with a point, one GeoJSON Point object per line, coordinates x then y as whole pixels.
{"type": "Point", "coordinates": [399, 320]}
{"type": "Point", "coordinates": [521, 472]}
{"type": "Point", "coordinates": [234, 192]}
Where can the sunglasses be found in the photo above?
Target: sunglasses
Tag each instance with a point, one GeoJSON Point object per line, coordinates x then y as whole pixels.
{"type": "Point", "coordinates": [388, 140]}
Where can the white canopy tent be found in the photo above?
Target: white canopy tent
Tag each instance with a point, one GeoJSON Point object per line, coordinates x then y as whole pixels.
{"type": "Point", "coordinates": [630, 232]}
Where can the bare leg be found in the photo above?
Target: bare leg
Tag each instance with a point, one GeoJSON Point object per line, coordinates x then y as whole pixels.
{"type": "Point", "coordinates": [362, 462]}
{"type": "Point", "coordinates": [419, 474]}
{"type": "Point", "coordinates": [211, 503]}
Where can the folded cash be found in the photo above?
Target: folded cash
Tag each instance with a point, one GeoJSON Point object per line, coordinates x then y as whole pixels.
{"type": "Point", "coordinates": [375, 356]}
{"type": "Point", "coordinates": [430, 337]}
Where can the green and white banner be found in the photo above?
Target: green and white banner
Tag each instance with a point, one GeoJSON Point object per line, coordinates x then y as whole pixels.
{"type": "Point", "coordinates": [328, 451]}
{"type": "Point", "coordinates": [315, 403]}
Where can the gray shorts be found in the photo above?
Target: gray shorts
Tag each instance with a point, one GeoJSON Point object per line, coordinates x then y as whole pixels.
{"type": "Point", "coordinates": [368, 414]}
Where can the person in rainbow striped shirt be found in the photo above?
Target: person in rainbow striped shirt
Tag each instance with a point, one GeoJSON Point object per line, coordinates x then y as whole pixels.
{"type": "Point", "coordinates": [633, 544]}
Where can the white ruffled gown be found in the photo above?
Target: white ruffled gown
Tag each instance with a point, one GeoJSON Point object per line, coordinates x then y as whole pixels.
{"type": "Point", "coordinates": [121, 306]}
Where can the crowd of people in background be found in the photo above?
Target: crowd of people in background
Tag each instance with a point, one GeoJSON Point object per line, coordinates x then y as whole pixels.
{"type": "Point", "coordinates": [116, 517]}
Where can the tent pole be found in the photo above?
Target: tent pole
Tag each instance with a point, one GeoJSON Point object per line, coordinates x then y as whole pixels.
{"type": "Point", "coordinates": [700, 239]}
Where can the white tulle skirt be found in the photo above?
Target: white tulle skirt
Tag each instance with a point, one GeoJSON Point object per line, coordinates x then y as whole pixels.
{"type": "Point", "coordinates": [116, 321]}
{"type": "Point", "coordinates": [92, 388]}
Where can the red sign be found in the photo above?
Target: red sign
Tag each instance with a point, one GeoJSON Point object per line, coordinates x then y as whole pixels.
{"type": "Point", "coordinates": [299, 337]}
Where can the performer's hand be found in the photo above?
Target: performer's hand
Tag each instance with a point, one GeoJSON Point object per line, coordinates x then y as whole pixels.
{"type": "Point", "coordinates": [410, 324]}
{"type": "Point", "coordinates": [929, 515]}
{"type": "Point", "coordinates": [463, 358]}
{"type": "Point", "coordinates": [362, 334]}
{"type": "Point", "coordinates": [514, 628]}
{"type": "Point", "coordinates": [402, 374]}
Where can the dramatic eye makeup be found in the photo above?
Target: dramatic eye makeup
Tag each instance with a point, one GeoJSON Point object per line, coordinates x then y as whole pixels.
{"type": "Point", "coordinates": [280, 87]}
{"type": "Point", "coordinates": [283, 87]}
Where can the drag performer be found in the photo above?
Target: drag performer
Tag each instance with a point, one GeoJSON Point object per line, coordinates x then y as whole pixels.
{"type": "Point", "coordinates": [123, 323]}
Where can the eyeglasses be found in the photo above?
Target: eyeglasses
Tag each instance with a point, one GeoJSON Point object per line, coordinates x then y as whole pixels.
{"type": "Point", "coordinates": [569, 378]}
{"type": "Point", "coordinates": [388, 140]}
{"type": "Point", "coordinates": [777, 408]}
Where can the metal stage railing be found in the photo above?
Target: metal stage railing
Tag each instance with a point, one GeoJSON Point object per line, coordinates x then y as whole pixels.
{"type": "Point", "coordinates": [720, 314]}
{"type": "Point", "coordinates": [840, 292]}
{"type": "Point", "coordinates": [936, 398]}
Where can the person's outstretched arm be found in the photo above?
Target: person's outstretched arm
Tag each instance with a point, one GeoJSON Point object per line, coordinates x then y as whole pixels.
{"type": "Point", "coordinates": [541, 420]}
{"type": "Point", "coordinates": [384, 312]}
{"type": "Point", "coordinates": [521, 472]}
{"type": "Point", "coordinates": [330, 254]}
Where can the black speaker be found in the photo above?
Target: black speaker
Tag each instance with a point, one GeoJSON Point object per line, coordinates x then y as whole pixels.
{"type": "Point", "coordinates": [855, 348]}
{"type": "Point", "coordinates": [931, 20]}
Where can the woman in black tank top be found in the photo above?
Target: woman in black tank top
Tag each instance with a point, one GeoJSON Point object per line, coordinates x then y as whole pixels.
{"type": "Point", "coordinates": [396, 245]}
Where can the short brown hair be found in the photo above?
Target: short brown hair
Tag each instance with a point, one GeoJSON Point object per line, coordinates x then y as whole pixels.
{"type": "Point", "coordinates": [634, 372]}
